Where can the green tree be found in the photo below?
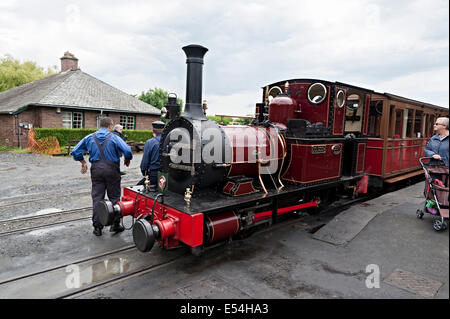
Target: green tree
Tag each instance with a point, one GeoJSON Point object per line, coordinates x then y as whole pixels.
{"type": "Point", "coordinates": [157, 97]}
{"type": "Point", "coordinates": [245, 121]}
{"type": "Point", "coordinates": [218, 119]}
{"type": "Point", "coordinates": [13, 73]}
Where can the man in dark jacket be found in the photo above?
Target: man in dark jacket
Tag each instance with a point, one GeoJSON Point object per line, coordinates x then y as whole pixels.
{"type": "Point", "coordinates": [437, 146]}
{"type": "Point", "coordinates": [150, 160]}
{"type": "Point", "coordinates": [105, 150]}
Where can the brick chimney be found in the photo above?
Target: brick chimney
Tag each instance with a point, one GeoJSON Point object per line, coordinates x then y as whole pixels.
{"type": "Point", "coordinates": [69, 62]}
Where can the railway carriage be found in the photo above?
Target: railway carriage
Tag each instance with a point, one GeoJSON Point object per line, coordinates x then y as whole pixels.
{"type": "Point", "coordinates": [390, 132]}
{"type": "Point", "coordinates": [311, 142]}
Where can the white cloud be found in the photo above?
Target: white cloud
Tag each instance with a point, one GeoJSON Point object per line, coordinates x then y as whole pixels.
{"type": "Point", "coordinates": [136, 45]}
{"type": "Point", "coordinates": [241, 103]}
{"type": "Point", "coordinates": [433, 83]}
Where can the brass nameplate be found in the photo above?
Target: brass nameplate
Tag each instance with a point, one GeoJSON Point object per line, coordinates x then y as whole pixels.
{"type": "Point", "coordinates": [318, 149]}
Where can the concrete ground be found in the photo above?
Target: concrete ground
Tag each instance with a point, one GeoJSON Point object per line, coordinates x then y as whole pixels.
{"type": "Point", "coordinates": [383, 253]}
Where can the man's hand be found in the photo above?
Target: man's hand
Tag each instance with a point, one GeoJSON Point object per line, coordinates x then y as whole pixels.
{"type": "Point", "coordinates": [438, 157]}
{"type": "Point", "coordinates": [127, 162]}
{"type": "Point", "coordinates": [84, 167]}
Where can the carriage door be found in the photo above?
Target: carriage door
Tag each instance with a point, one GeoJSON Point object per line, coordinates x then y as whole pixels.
{"type": "Point", "coordinates": [407, 140]}
{"type": "Point", "coordinates": [354, 119]}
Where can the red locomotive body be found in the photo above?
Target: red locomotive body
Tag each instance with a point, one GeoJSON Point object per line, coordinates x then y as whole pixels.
{"type": "Point", "coordinates": [311, 141]}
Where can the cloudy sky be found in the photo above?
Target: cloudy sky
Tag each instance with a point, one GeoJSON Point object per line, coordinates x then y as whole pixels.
{"type": "Point", "coordinates": [400, 47]}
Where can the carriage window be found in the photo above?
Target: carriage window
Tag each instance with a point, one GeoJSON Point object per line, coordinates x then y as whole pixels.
{"type": "Point", "coordinates": [353, 102]}
{"type": "Point", "coordinates": [408, 123]}
{"type": "Point", "coordinates": [424, 125]}
{"type": "Point", "coordinates": [317, 93]}
{"type": "Point", "coordinates": [391, 119]}
{"type": "Point", "coordinates": [398, 123]}
{"type": "Point", "coordinates": [375, 111]}
{"type": "Point", "coordinates": [418, 127]}
{"type": "Point", "coordinates": [430, 125]}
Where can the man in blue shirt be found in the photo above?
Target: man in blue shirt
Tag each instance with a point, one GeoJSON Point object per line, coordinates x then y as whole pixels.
{"type": "Point", "coordinates": [437, 147]}
{"type": "Point", "coordinates": [105, 150]}
{"type": "Point", "coordinates": [150, 160]}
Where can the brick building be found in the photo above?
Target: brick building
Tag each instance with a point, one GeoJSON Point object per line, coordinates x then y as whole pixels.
{"type": "Point", "coordinates": [69, 99]}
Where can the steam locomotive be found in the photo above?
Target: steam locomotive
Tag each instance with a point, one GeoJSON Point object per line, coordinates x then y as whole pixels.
{"type": "Point", "coordinates": [306, 147]}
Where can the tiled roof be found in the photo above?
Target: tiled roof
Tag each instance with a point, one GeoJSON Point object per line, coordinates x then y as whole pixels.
{"type": "Point", "coordinates": [72, 88]}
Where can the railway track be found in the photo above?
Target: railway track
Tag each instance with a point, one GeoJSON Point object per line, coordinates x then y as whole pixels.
{"type": "Point", "coordinates": [27, 223]}
{"type": "Point", "coordinates": [94, 272]}
{"type": "Point", "coordinates": [24, 224]}
{"type": "Point", "coordinates": [39, 197]}
{"type": "Point", "coordinates": [120, 278]}
{"type": "Point", "coordinates": [186, 254]}
{"type": "Point", "coordinates": [31, 274]}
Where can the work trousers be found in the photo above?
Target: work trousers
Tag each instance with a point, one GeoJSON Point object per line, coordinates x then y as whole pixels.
{"type": "Point", "coordinates": [104, 177]}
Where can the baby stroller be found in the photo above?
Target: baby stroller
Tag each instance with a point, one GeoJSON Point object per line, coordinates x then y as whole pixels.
{"type": "Point", "coordinates": [435, 192]}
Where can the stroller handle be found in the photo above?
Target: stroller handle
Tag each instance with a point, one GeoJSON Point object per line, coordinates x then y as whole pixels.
{"type": "Point", "coordinates": [426, 160]}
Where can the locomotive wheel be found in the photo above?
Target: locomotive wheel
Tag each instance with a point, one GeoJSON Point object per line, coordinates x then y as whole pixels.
{"type": "Point", "coordinates": [419, 214]}
{"type": "Point", "coordinates": [246, 233]}
{"type": "Point", "coordinates": [197, 251]}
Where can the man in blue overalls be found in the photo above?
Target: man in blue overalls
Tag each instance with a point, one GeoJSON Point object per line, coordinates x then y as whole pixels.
{"type": "Point", "coordinates": [105, 150]}
{"type": "Point", "coordinates": [150, 160]}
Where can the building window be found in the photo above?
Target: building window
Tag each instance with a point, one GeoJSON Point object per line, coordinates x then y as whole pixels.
{"type": "Point", "coordinates": [72, 119]}
{"type": "Point", "coordinates": [77, 120]}
{"type": "Point", "coordinates": [128, 122]}
{"type": "Point", "coordinates": [67, 119]}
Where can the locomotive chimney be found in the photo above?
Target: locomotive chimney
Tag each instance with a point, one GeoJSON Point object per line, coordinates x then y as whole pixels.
{"type": "Point", "coordinates": [194, 61]}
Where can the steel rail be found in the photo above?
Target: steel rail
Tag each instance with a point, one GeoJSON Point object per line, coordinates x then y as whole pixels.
{"type": "Point", "coordinates": [21, 201]}
{"type": "Point", "coordinates": [122, 277]}
{"type": "Point", "coordinates": [44, 217]}
{"type": "Point", "coordinates": [78, 261]}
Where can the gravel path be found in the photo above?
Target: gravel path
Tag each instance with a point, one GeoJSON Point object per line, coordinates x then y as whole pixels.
{"type": "Point", "coordinates": [32, 184]}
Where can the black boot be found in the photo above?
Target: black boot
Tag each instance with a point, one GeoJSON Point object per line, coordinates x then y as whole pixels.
{"type": "Point", "coordinates": [116, 227]}
{"type": "Point", "coordinates": [97, 231]}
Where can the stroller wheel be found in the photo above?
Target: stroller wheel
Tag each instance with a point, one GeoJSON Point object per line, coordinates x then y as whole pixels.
{"type": "Point", "coordinates": [438, 225]}
{"type": "Point", "coordinates": [419, 214]}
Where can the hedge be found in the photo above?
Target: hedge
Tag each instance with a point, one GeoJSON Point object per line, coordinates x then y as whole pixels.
{"type": "Point", "coordinates": [65, 134]}
{"type": "Point", "coordinates": [218, 119]}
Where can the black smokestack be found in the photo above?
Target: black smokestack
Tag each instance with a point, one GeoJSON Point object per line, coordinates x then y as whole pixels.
{"type": "Point", "coordinates": [194, 61]}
